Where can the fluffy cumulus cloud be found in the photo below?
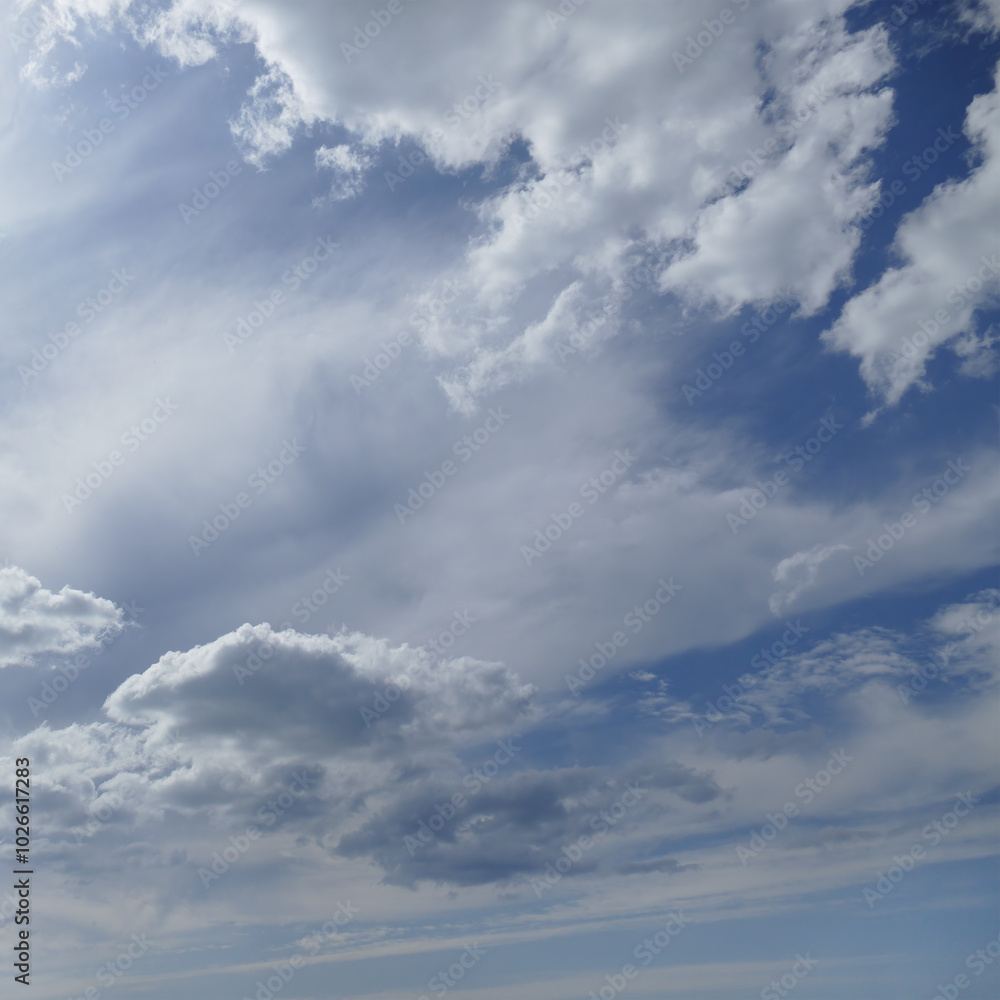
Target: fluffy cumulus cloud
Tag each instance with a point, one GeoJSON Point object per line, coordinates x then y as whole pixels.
{"type": "Point", "coordinates": [39, 627]}
{"type": "Point", "coordinates": [214, 730]}
{"type": "Point", "coordinates": [195, 756]}
{"type": "Point", "coordinates": [949, 276]}
{"type": "Point", "coordinates": [206, 736]}
{"type": "Point", "coordinates": [235, 683]}
{"type": "Point", "coordinates": [725, 189]}
{"type": "Point", "coordinates": [275, 699]}
{"type": "Point", "coordinates": [775, 227]}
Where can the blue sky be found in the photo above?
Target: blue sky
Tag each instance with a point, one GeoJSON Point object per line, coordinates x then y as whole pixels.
{"type": "Point", "coordinates": [483, 498]}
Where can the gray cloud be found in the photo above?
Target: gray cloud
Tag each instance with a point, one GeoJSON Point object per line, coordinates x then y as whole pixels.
{"type": "Point", "coordinates": [514, 825]}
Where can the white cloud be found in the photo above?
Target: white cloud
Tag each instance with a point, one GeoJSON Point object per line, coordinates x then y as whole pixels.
{"type": "Point", "coordinates": [798, 572]}
{"type": "Point", "coordinates": [161, 812]}
{"type": "Point", "coordinates": [37, 625]}
{"type": "Point", "coordinates": [604, 159]}
{"type": "Point", "coordinates": [973, 630]}
{"type": "Point", "coordinates": [348, 166]}
{"type": "Point", "coordinates": [268, 120]}
{"type": "Point", "coordinates": [794, 225]}
{"type": "Point", "coordinates": [326, 680]}
{"type": "Point", "coordinates": [950, 272]}
{"type": "Point", "coordinates": [535, 242]}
